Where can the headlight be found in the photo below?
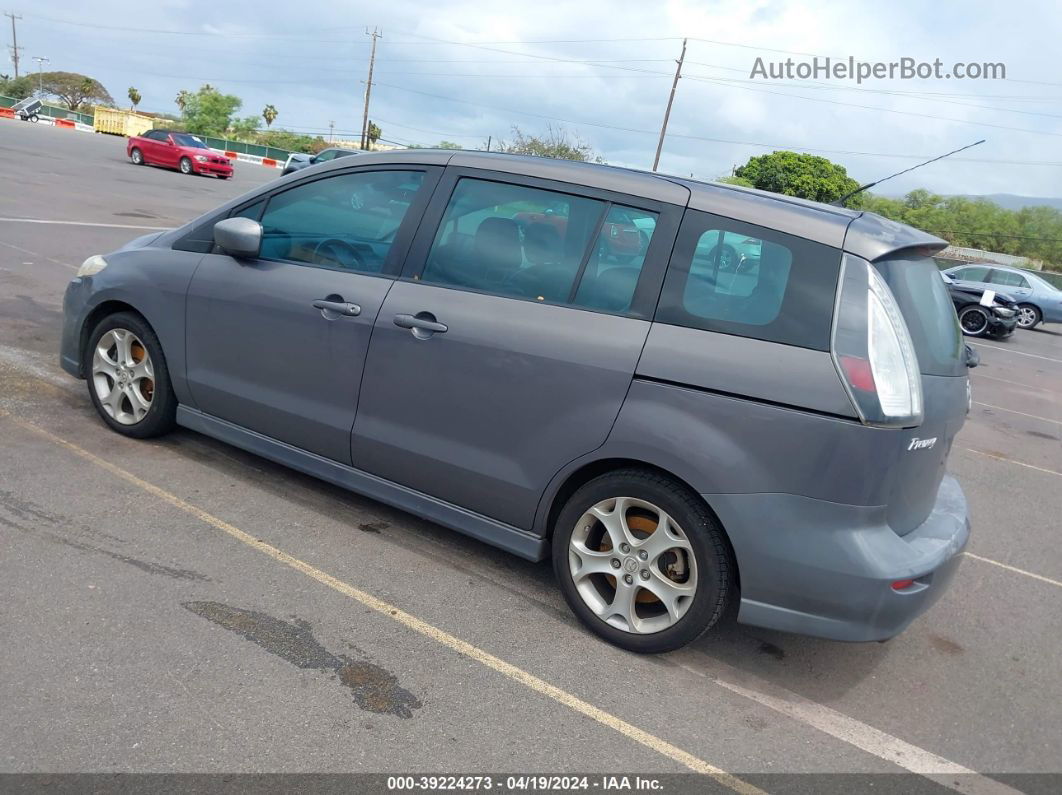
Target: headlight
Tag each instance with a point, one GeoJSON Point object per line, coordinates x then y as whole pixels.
{"type": "Point", "coordinates": [92, 265]}
{"type": "Point", "coordinates": [203, 158]}
{"type": "Point", "coordinates": [1003, 311]}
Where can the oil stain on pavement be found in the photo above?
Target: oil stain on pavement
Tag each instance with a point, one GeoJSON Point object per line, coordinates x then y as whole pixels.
{"type": "Point", "coordinates": [375, 689]}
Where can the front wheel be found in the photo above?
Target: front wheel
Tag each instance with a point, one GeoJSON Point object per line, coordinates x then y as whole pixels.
{"type": "Point", "coordinates": [137, 157]}
{"type": "Point", "coordinates": [33, 117]}
{"type": "Point", "coordinates": [1028, 316]}
{"type": "Point", "coordinates": [186, 165]}
{"type": "Point", "coordinates": [641, 561]}
{"type": "Point", "coordinates": [974, 321]}
{"type": "Point", "coordinates": [128, 380]}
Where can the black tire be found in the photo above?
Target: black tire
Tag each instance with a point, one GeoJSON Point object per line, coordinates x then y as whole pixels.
{"type": "Point", "coordinates": [973, 320]}
{"type": "Point", "coordinates": [136, 157]}
{"type": "Point", "coordinates": [160, 417]}
{"type": "Point", "coordinates": [186, 166]}
{"type": "Point", "coordinates": [33, 117]}
{"type": "Point", "coordinates": [1026, 309]}
{"type": "Point", "coordinates": [716, 570]}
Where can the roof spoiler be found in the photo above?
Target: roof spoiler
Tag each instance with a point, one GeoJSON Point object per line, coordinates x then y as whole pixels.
{"type": "Point", "coordinates": [873, 237]}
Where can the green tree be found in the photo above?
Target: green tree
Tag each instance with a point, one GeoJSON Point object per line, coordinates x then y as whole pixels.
{"type": "Point", "coordinates": [74, 90]}
{"type": "Point", "coordinates": [244, 129]}
{"type": "Point", "coordinates": [134, 97]}
{"type": "Point", "coordinates": [557, 143]}
{"type": "Point", "coordinates": [182, 99]}
{"type": "Point", "coordinates": [447, 145]}
{"type": "Point", "coordinates": [269, 113]}
{"type": "Point", "coordinates": [374, 134]}
{"type": "Point", "coordinates": [209, 112]}
{"type": "Point", "coordinates": [732, 180]}
{"type": "Point", "coordinates": [796, 174]}
{"type": "Point", "coordinates": [17, 89]}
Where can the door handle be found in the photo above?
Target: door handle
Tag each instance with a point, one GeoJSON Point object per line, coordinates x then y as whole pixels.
{"type": "Point", "coordinates": [422, 324]}
{"type": "Point", "coordinates": [339, 307]}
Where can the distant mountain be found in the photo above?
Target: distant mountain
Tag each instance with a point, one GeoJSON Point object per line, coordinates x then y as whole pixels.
{"type": "Point", "coordinates": [1011, 202]}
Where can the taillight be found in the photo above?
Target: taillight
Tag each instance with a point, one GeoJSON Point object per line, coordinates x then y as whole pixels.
{"type": "Point", "coordinates": [872, 349]}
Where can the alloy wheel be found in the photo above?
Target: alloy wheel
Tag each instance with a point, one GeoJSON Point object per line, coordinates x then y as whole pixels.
{"type": "Point", "coordinates": [1026, 316]}
{"type": "Point", "coordinates": [973, 321]}
{"type": "Point", "coordinates": [632, 565]}
{"type": "Point", "coordinates": [123, 376]}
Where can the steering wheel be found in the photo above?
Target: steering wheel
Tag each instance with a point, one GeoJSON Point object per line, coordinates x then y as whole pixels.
{"type": "Point", "coordinates": [337, 253]}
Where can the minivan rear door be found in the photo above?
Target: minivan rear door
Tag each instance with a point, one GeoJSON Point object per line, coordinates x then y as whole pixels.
{"type": "Point", "coordinates": [507, 348]}
{"type": "Point", "coordinates": [930, 316]}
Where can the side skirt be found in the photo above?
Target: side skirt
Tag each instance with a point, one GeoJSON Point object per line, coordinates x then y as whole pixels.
{"type": "Point", "coordinates": [512, 539]}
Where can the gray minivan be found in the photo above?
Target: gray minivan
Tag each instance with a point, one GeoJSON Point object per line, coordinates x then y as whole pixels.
{"type": "Point", "coordinates": [693, 396]}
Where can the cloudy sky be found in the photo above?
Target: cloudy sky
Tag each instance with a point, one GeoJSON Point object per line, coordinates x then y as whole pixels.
{"type": "Point", "coordinates": [462, 71]}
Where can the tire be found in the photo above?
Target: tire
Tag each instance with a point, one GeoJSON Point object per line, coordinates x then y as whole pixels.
{"type": "Point", "coordinates": [973, 320]}
{"type": "Point", "coordinates": [137, 157]}
{"type": "Point", "coordinates": [153, 414]}
{"type": "Point", "coordinates": [706, 560]}
{"type": "Point", "coordinates": [1029, 316]}
{"type": "Point", "coordinates": [186, 166]}
{"type": "Point", "coordinates": [33, 117]}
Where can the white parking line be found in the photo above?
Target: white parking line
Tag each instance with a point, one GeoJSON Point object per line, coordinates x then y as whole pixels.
{"type": "Point", "coordinates": [1040, 577]}
{"type": "Point", "coordinates": [83, 223]}
{"type": "Point", "coordinates": [1009, 350]}
{"type": "Point", "coordinates": [1005, 459]}
{"type": "Point", "coordinates": [849, 730]}
{"type": "Point", "coordinates": [1021, 413]}
{"type": "Point", "coordinates": [979, 375]}
{"type": "Point", "coordinates": [36, 254]}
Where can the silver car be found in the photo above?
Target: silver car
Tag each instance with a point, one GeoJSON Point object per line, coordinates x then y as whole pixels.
{"type": "Point", "coordinates": [1039, 301]}
{"type": "Point", "coordinates": [441, 331]}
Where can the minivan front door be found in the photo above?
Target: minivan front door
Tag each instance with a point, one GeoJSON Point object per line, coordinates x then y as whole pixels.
{"type": "Point", "coordinates": [277, 344]}
{"type": "Point", "coordinates": [483, 377]}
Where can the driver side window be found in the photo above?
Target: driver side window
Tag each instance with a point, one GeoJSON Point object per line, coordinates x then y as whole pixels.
{"type": "Point", "coordinates": [344, 222]}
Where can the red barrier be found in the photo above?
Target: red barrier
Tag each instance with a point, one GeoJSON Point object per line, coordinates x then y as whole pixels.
{"type": "Point", "coordinates": [268, 161]}
{"type": "Point", "coordinates": [231, 155]}
{"type": "Point", "coordinates": [64, 123]}
{"type": "Point", "coordinates": [7, 113]}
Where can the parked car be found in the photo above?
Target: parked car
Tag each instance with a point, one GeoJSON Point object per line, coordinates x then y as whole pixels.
{"type": "Point", "coordinates": [298, 163]}
{"type": "Point", "coordinates": [1039, 301]}
{"type": "Point", "coordinates": [678, 441]}
{"type": "Point", "coordinates": [181, 151]}
{"type": "Point", "coordinates": [997, 317]}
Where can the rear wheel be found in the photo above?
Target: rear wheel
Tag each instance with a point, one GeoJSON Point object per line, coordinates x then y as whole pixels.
{"type": "Point", "coordinates": [33, 117]}
{"type": "Point", "coordinates": [641, 561]}
{"type": "Point", "coordinates": [186, 165]}
{"type": "Point", "coordinates": [127, 376]}
{"type": "Point", "coordinates": [1028, 316]}
{"type": "Point", "coordinates": [137, 157]}
{"type": "Point", "coordinates": [974, 321]}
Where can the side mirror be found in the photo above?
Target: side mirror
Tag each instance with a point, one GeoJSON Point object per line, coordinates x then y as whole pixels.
{"type": "Point", "coordinates": [313, 159]}
{"type": "Point", "coordinates": [239, 237]}
{"type": "Point", "coordinates": [973, 358]}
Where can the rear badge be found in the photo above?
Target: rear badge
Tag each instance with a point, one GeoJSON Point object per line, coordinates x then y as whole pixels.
{"type": "Point", "coordinates": [921, 444]}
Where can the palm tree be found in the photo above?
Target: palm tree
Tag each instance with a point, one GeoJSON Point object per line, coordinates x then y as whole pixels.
{"type": "Point", "coordinates": [269, 113]}
{"type": "Point", "coordinates": [134, 97]}
{"type": "Point", "coordinates": [182, 99]}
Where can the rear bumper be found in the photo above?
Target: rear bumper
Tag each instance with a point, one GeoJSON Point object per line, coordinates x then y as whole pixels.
{"type": "Point", "coordinates": [826, 569]}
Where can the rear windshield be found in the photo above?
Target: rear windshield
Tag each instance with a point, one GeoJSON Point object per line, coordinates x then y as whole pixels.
{"type": "Point", "coordinates": [930, 315]}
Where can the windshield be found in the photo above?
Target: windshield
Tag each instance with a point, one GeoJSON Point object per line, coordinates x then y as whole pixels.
{"type": "Point", "coordinates": [183, 139]}
{"type": "Point", "coordinates": [929, 312]}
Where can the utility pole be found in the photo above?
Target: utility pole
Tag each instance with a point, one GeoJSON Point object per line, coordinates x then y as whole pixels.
{"type": "Point", "coordinates": [670, 99]}
{"type": "Point", "coordinates": [331, 127]}
{"type": "Point", "coordinates": [368, 89]}
{"type": "Point", "coordinates": [14, 39]}
{"type": "Point", "coordinates": [40, 75]}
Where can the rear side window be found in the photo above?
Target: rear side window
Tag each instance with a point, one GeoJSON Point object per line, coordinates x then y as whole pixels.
{"type": "Point", "coordinates": [972, 274]}
{"type": "Point", "coordinates": [1008, 279]}
{"type": "Point", "coordinates": [541, 245]}
{"type": "Point", "coordinates": [741, 279]}
{"type": "Point", "coordinates": [929, 312]}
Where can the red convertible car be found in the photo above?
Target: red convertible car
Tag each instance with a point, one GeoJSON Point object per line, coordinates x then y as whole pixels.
{"type": "Point", "coordinates": [182, 151]}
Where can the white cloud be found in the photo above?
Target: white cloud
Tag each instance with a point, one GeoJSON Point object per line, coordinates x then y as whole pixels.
{"type": "Point", "coordinates": [310, 63]}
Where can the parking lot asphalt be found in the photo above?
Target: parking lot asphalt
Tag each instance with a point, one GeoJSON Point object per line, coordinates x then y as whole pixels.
{"type": "Point", "coordinates": [178, 605]}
